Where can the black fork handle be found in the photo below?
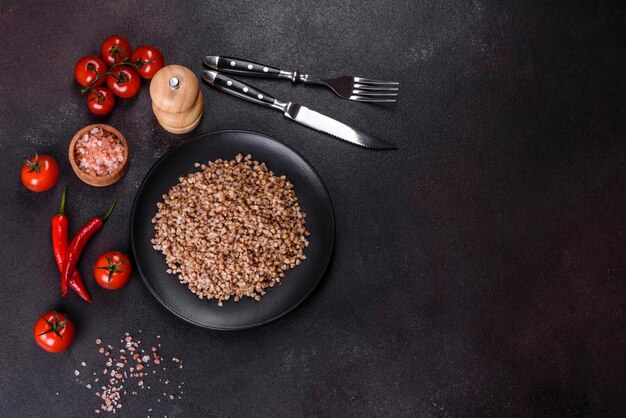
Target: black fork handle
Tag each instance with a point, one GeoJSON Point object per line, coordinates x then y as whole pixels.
{"type": "Point", "coordinates": [242, 67]}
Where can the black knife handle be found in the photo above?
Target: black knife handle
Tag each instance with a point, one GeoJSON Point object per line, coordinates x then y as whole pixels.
{"type": "Point", "coordinates": [243, 67]}
{"type": "Point", "coordinates": [237, 88]}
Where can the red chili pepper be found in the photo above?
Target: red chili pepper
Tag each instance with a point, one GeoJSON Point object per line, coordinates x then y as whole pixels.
{"type": "Point", "coordinates": [59, 247]}
{"type": "Point", "coordinates": [78, 243]}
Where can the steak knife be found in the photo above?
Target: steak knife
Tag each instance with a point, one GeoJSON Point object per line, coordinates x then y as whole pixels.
{"type": "Point", "coordinates": [294, 111]}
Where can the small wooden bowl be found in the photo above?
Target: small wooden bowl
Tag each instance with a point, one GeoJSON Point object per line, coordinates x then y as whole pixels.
{"type": "Point", "coordinates": [99, 181]}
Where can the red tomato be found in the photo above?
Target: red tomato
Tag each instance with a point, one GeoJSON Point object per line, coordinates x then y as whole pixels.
{"type": "Point", "coordinates": [124, 83]}
{"type": "Point", "coordinates": [114, 49]}
{"type": "Point", "coordinates": [112, 270]}
{"type": "Point", "coordinates": [54, 332]}
{"type": "Point", "coordinates": [40, 173]}
{"type": "Point", "coordinates": [87, 68]}
{"type": "Point", "coordinates": [101, 102]}
{"type": "Point", "coordinates": [150, 59]}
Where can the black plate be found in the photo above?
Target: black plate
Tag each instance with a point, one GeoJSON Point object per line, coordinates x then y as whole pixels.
{"type": "Point", "coordinates": [279, 300]}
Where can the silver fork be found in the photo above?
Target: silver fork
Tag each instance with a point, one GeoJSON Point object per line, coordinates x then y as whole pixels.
{"type": "Point", "coordinates": [352, 88]}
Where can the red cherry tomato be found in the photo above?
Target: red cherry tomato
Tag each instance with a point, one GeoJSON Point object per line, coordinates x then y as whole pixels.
{"type": "Point", "coordinates": [151, 60]}
{"type": "Point", "coordinates": [54, 332]}
{"type": "Point", "coordinates": [101, 102]}
{"type": "Point", "coordinates": [112, 270]}
{"type": "Point", "coordinates": [40, 173]}
{"type": "Point", "coordinates": [114, 49]}
{"type": "Point", "coordinates": [124, 82]}
{"type": "Point", "coordinates": [87, 68]}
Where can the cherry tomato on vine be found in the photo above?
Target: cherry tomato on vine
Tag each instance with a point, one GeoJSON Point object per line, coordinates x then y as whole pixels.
{"type": "Point", "coordinates": [54, 332]}
{"type": "Point", "coordinates": [101, 102]}
{"type": "Point", "coordinates": [114, 49]}
{"type": "Point", "coordinates": [151, 60]}
{"type": "Point", "coordinates": [112, 270]}
{"type": "Point", "coordinates": [87, 68]}
{"type": "Point", "coordinates": [124, 82]}
{"type": "Point", "coordinates": [40, 173]}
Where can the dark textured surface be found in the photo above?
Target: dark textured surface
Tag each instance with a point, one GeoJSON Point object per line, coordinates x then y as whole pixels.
{"type": "Point", "coordinates": [478, 270]}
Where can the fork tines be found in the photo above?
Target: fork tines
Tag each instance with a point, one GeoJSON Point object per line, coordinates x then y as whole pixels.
{"type": "Point", "coordinates": [374, 91]}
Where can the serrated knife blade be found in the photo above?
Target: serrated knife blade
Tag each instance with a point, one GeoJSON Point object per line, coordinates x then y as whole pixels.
{"type": "Point", "coordinates": [332, 127]}
{"type": "Point", "coordinates": [295, 111]}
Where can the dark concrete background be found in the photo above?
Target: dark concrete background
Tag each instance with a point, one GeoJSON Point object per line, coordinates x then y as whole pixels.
{"type": "Point", "coordinates": [478, 270]}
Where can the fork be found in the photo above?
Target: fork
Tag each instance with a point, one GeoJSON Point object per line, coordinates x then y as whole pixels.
{"type": "Point", "coordinates": [352, 88]}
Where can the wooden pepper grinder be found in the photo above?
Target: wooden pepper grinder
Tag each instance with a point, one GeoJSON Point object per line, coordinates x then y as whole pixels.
{"type": "Point", "coordinates": [177, 101]}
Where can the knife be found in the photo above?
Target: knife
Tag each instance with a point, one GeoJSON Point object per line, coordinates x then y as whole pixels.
{"type": "Point", "coordinates": [295, 111]}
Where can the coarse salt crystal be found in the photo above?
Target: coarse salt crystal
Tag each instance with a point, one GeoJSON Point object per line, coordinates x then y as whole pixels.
{"type": "Point", "coordinates": [98, 152]}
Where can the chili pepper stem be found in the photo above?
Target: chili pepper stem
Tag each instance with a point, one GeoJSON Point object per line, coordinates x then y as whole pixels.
{"type": "Point", "coordinates": [62, 210]}
{"type": "Point", "coordinates": [106, 215]}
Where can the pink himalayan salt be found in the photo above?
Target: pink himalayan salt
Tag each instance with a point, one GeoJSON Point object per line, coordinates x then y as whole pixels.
{"type": "Point", "coordinates": [99, 152]}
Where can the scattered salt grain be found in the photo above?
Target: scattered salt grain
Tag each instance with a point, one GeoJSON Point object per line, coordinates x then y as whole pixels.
{"type": "Point", "coordinates": [76, 372]}
{"type": "Point", "coordinates": [117, 374]}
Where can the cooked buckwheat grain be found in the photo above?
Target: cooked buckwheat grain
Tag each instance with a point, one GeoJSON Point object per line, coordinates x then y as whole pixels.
{"type": "Point", "coordinates": [231, 229]}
